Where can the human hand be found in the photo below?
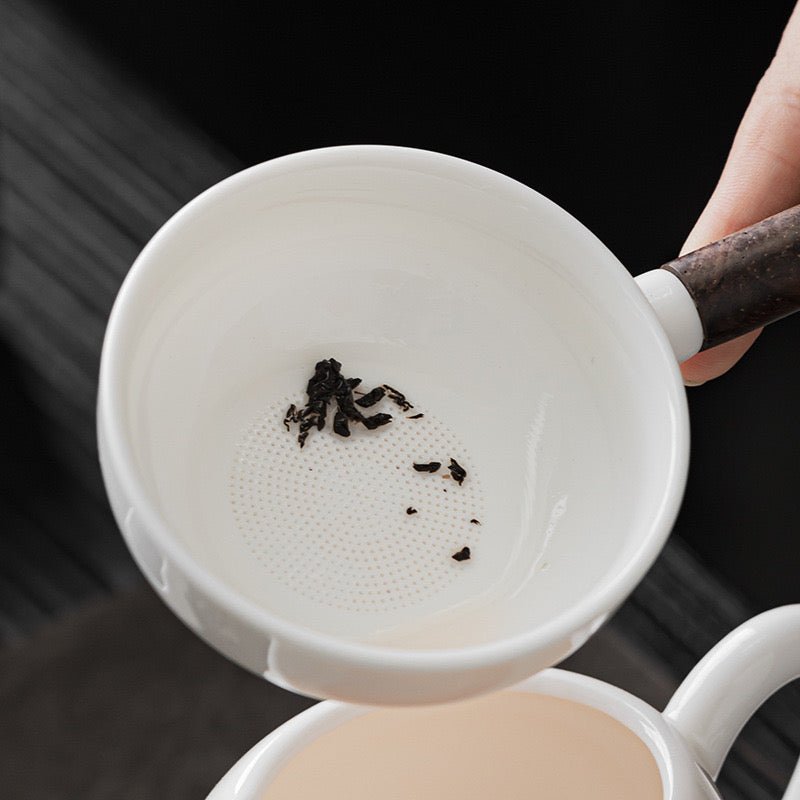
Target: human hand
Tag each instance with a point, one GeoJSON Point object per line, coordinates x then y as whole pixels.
{"type": "Point", "coordinates": [761, 177]}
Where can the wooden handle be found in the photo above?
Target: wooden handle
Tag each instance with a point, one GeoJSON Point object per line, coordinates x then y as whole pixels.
{"type": "Point", "coordinates": [746, 280]}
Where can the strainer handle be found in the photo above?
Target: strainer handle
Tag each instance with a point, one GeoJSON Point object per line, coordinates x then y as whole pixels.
{"type": "Point", "coordinates": [729, 684]}
{"type": "Point", "coordinates": [737, 284]}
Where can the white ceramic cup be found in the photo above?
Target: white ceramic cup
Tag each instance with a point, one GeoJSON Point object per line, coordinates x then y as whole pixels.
{"type": "Point", "coordinates": [480, 299]}
{"type": "Point", "coordinates": [689, 741]}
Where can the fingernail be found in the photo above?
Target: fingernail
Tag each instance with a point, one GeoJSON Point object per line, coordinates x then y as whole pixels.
{"type": "Point", "coordinates": [693, 383]}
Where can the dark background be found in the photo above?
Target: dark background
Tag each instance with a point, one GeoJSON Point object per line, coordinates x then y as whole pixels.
{"type": "Point", "coordinates": [621, 112]}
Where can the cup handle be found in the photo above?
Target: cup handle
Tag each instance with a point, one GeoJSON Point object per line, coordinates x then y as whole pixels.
{"type": "Point", "coordinates": [737, 284]}
{"type": "Point", "coordinates": [728, 685]}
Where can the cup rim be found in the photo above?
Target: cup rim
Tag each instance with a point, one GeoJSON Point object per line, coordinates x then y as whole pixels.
{"type": "Point", "coordinates": [592, 610]}
{"type": "Point", "coordinates": [252, 771]}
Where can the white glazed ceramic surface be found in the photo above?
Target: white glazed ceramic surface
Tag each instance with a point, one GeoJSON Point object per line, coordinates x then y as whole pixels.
{"type": "Point", "coordinates": [482, 301]}
{"type": "Point", "coordinates": [689, 741]}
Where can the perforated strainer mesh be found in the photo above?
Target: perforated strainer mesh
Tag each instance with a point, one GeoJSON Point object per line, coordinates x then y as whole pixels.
{"type": "Point", "coordinates": [329, 521]}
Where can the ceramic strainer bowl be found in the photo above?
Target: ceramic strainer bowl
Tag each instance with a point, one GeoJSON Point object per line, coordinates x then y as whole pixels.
{"type": "Point", "coordinates": [537, 364]}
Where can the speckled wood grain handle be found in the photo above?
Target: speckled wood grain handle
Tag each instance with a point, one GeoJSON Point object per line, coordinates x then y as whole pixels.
{"type": "Point", "coordinates": [746, 280]}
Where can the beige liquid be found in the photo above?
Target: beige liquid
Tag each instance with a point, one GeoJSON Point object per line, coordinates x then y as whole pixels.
{"type": "Point", "coordinates": [506, 746]}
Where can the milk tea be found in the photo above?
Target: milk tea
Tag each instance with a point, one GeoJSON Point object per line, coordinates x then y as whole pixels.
{"type": "Point", "coordinates": [506, 746]}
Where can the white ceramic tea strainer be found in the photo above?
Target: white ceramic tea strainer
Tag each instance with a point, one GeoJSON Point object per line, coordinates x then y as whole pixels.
{"type": "Point", "coordinates": [535, 360]}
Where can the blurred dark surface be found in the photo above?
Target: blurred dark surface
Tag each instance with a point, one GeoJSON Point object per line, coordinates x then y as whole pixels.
{"type": "Point", "coordinates": [120, 700]}
{"type": "Point", "coordinates": [114, 115]}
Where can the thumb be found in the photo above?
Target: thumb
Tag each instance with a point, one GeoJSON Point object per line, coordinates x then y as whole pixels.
{"type": "Point", "coordinates": [761, 177]}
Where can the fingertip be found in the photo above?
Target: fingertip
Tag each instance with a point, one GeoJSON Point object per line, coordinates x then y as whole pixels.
{"type": "Point", "coordinates": [713, 363]}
